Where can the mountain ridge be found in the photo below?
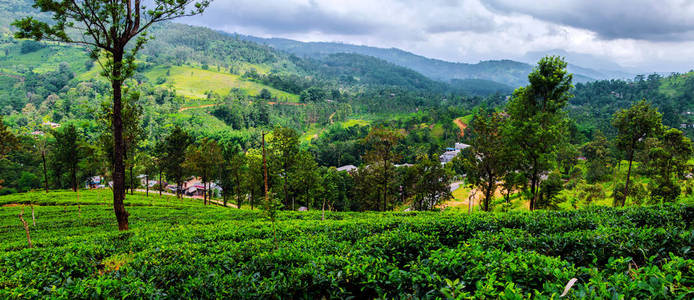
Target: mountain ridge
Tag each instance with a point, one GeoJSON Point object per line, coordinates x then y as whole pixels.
{"type": "Point", "coordinates": [505, 71]}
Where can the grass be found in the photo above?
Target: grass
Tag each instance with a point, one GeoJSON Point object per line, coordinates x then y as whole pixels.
{"type": "Point", "coordinates": [194, 82]}
{"type": "Point", "coordinates": [43, 60]}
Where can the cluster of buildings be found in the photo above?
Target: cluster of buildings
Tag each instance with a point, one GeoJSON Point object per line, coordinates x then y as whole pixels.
{"type": "Point", "coordinates": [191, 187]}
{"type": "Point", "coordinates": [451, 153]}
{"type": "Point", "coordinates": [444, 158]}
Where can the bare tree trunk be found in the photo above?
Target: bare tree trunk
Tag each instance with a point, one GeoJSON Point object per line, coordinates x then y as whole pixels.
{"type": "Point", "coordinates": [488, 195]}
{"type": "Point", "coordinates": [533, 191]}
{"type": "Point", "coordinates": [147, 185]}
{"type": "Point", "coordinates": [45, 171]}
{"type": "Point", "coordinates": [132, 181]}
{"type": "Point", "coordinates": [469, 200]}
{"type": "Point", "coordinates": [322, 218]}
{"type": "Point", "coordinates": [118, 146]}
{"type": "Point", "coordinates": [33, 216]}
{"type": "Point", "coordinates": [26, 227]}
{"type": "Point", "coordinates": [267, 197]}
{"type": "Point", "coordinates": [160, 187]}
{"type": "Point", "coordinates": [73, 178]}
{"type": "Point", "coordinates": [626, 187]}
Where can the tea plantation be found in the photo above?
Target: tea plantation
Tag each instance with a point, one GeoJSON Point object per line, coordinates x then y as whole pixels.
{"type": "Point", "coordinates": [182, 249]}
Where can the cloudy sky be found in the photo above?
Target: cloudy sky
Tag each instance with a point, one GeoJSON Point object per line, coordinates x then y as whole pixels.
{"type": "Point", "coordinates": [641, 35]}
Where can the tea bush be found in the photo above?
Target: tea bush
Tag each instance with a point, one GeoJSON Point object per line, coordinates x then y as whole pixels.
{"type": "Point", "coordinates": [182, 249]}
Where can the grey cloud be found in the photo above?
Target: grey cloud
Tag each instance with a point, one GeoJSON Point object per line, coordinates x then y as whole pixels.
{"type": "Point", "coordinates": [282, 17]}
{"type": "Point", "coordinates": [666, 20]}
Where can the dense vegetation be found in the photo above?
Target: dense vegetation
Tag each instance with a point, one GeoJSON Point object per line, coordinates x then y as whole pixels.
{"type": "Point", "coordinates": [180, 248]}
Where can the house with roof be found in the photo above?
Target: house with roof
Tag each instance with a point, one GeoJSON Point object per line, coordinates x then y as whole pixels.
{"type": "Point", "coordinates": [347, 168]}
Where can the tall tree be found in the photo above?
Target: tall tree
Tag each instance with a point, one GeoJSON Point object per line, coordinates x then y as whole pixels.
{"type": "Point", "coordinates": [68, 151]}
{"type": "Point", "coordinates": [107, 27]}
{"type": "Point", "coordinates": [254, 181]}
{"type": "Point", "coordinates": [537, 124]}
{"type": "Point", "coordinates": [381, 155]}
{"type": "Point", "coordinates": [284, 144]}
{"type": "Point", "coordinates": [238, 170]}
{"type": "Point", "coordinates": [485, 161]}
{"type": "Point", "coordinates": [667, 164]}
{"type": "Point", "coordinates": [203, 160]}
{"type": "Point", "coordinates": [8, 142]}
{"type": "Point", "coordinates": [432, 186]}
{"type": "Point", "coordinates": [634, 125]}
{"type": "Point", "coordinates": [597, 154]}
{"type": "Point", "coordinates": [175, 145]}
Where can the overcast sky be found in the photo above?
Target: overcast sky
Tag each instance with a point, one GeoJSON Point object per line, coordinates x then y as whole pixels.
{"type": "Point", "coordinates": [656, 35]}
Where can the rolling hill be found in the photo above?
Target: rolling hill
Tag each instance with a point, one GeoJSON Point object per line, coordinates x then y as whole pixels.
{"type": "Point", "coordinates": [508, 72]}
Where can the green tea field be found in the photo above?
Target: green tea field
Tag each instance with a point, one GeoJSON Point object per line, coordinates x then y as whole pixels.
{"type": "Point", "coordinates": [182, 249]}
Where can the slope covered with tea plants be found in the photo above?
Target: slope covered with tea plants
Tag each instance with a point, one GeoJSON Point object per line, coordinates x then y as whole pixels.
{"type": "Point", "coordinates": [182, 249]}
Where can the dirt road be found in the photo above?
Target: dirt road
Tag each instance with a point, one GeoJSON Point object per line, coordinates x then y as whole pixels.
{"type": "Point", "coordinates": [460, 125]}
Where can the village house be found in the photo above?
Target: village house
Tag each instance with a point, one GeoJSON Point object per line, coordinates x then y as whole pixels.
{"type": "Point", "coordinates": [451, 153]}
{"type": "Point", "coordinates": [347, 168]}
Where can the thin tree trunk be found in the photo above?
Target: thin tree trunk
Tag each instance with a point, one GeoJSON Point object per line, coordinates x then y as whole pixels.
{"type": "Point", "coordinates": [45, 171]}
{"type": "Point", "coordinates": [26, 227]}
{"type": "Point", "coordinates": [118, 146]}
{"type": "Point", "coordinates": [267, 197]}
{"type": "Point", "coordinates": [73, 175]}
{"type": "Point", "coordinates": [469, 201]}
{"type": "Point", "coordinates": [626, 187]}
{"type": "Point", "coordinates": [533, 190]}
{"type": "Point", "coordinates": [132, 181]}
{"type": "Point", "coordinates": [488, 194]}
{"type": "Point", "coordinates": [33, 216]}
{"type": "Point", "coordinates": [160, 187]}
{"type": "Point", "coordinates": [147, 185]}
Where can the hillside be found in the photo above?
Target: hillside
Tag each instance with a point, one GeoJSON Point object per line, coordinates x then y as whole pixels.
{"type": "Point", "coordinates": [179, 248]}
{"type": "Point", "coordinates": [506, 72]}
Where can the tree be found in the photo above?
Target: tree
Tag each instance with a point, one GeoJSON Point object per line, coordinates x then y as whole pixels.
{"type": "Point", "coordinates": [68, 151]}
{"type": "Point", "coordinates": [254, 180]}
{"type": "Point", "coordinates": [284, 145]}
{"type": "Point", "coordinates": [433, 184]}
{"type": "Point", "coordinates": [537, 126]}
{"type": "Point", "coordinates": [485, 161]}
{"type": "Point", "coordinates": [148, 167]}
{"type": "Point", "coordinates": [203, 160]}
{"type": "Point", "coordinates": [175, 145]}
{"type": "Point", "coordinates": [381, 155]}
{"type": "Point", "coordinates": [42, 147]}
{"type": "Point", "coordinates": [237, 171]}
{"type": "Point", "coordinates": [107, 28]}
{"type": "Point", "coordinates": [305, 179]}
{"type": "Point", "coordinates": [549, 190]}
{"type": "Point", "coordinates": [597, 154]}
{"type": "Point", "coordinates": [634, 125]}
{"type": "Point", "coordinates": [667, 162]}
{"type": "Point", "coordinates": [312, 94]}
{"type": "Point", "coordinates": [8, 142]}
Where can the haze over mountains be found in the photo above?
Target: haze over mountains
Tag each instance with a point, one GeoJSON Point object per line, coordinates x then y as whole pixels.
{"type": "Point", "coordinates": [508, 72]}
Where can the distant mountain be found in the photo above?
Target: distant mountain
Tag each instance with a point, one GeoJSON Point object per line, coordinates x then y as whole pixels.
{"type": "Point", "coordinates": [507, 72]}
{"type": "Point", "coordinates": [584, 64]}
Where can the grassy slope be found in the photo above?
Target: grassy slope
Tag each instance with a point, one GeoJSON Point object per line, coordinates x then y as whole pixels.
{"type": "Point", "coordinates": [43, 60]}
{"type": "Point", "coordinates": [194, 82]}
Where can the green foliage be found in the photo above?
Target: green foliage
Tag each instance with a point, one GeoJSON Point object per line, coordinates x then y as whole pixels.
{"type": "Point", "coordinates": [536, 123]}
{"type": "Point", "coordinates": [184, 249]}
{"type": "Point", "coordinates": [487, 160]}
